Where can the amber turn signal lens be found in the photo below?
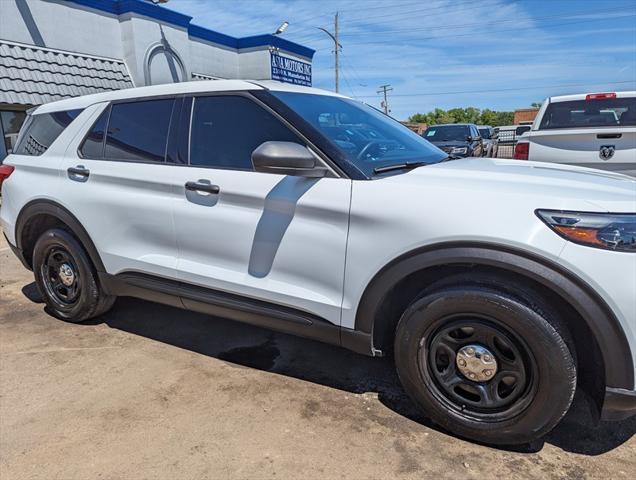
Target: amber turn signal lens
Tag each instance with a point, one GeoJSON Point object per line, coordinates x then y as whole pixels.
{"type": "Point", "coordinates": [580, 235]}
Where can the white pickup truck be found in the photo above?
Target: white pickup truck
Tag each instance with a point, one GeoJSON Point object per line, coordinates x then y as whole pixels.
{"type": "Point", "coordinates": [596, 130]}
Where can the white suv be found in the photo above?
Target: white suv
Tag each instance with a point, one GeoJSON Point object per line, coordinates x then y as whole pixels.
{"type": "Point", "coordinates": [596, 130]}
{"type": "Point", "coordinates": [497, 285]}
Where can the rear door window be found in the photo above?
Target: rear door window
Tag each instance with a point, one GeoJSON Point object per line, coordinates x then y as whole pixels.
{"type": "Point", "coordinates": [41, 130]}
{"type": "Point", "coordinates": [138, 131]}
{"type": "Point", "coordinates": [606, 112]}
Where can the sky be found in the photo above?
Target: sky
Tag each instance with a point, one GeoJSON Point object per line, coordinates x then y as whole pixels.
{"type": "Point", "coordinates": [497, 54]}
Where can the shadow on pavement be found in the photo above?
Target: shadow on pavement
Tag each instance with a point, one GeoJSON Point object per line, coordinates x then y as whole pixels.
{"type": "Point", "coordinates": [327, 365]}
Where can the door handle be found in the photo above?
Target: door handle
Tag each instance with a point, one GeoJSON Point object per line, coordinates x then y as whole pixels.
{"type": "Point", "coordinates": [202, 187]}
{"type": "Point", "coordinates": [609, 135]}
{"type": "Point", "coordinates": [78, 171]}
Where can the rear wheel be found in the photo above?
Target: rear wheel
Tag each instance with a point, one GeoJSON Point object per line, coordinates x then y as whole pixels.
{"type": "Point", "coordinates": [66, 278]}
{"type": "Point", "coordinates": [486, 360]}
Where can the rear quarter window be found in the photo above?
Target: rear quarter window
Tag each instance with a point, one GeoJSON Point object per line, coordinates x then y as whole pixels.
{"type": "Point", "coordinates": [41, 130]}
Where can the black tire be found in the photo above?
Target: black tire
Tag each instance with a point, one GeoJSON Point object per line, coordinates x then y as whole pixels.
{"type": "Point", "coordinates": [530, 391]}
{"type": "Point", "coordinates": [82, 299]}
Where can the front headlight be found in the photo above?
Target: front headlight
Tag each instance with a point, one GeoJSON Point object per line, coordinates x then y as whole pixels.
{"type": "Point", "coordinates": [459, 150]}
{"type": "Point", "coordinates": [611, 231]}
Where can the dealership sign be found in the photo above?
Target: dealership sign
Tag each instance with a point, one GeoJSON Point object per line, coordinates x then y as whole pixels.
{"type": "Point", "coordinates": [289, 70]}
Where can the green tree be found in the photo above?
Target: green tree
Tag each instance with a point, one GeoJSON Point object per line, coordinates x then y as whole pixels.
{"type": "Point", "coordinates": [464, 115]}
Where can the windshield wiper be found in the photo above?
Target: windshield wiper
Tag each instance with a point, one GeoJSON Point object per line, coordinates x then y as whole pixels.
{"type": "Point", "coordinates": [451, 157]}
{"type": "Point", "coordinates": [399, 166]}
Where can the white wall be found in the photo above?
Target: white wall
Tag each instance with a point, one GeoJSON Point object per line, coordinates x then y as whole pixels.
{"type": "Point", "coordinates": [74, 29]}
{"type": "Point", "coordinates": [71, 27]}
{"type": "Point", "coordinates": [217, 61]}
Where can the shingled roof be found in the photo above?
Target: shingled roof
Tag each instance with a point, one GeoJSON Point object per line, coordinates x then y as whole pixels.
{"type": "Point", "coordinates": [31, 75]}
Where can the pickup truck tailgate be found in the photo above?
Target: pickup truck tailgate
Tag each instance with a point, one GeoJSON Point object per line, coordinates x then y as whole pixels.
{"type": "Point", "coordinates": [604, 148]}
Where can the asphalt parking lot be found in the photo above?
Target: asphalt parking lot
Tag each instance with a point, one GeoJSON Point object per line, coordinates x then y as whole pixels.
{"type": "Point", "coordinates": [149, 391]}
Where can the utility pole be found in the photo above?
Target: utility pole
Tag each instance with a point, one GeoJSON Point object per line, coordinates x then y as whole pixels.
{"type": "Point", "coordinates": [337, 53]}
{"type": "Point", "coordinates": [385, 104]}
{"type": "Point", "coordinates": [337, 47]}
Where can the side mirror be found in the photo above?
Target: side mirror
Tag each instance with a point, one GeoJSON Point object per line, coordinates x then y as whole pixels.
{"type": "Point", "coordinates": [286, 158]}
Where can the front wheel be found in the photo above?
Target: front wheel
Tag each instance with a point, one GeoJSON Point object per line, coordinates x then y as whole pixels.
{"type": "Point", "coordinates": [66, 278]}
{"type": "Point", "coordinates": [485, 362]}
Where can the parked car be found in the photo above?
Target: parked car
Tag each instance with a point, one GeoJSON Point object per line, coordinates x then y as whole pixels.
{"type": "Point", "coordinates": [488, 138]}
{"type": "Point", "coordinates": [457, 139]}
{"type": "Point", "coordinates": [596, 130]}
{"type": "Point", "coordinates": [497, 286]}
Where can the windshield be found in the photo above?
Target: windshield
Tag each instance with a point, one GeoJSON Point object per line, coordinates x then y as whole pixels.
{"type": "Point", "coordinates": [447, 133]}
{"type": "Point", "coordinates": [607, 112]}
{"type": "Point", "coordinates": [485, 133]}
{"type": "Point", "coordinates": [366, 137]}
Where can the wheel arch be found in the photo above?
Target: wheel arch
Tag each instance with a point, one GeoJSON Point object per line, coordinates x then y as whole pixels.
{"type": "Point", "coordinates": [39, 215]}
{"type": "Point", "coordinates": [374, 316]}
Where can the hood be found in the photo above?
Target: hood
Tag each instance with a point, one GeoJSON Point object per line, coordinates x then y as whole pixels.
{"type": "Point", "coordinates": [549, 185]}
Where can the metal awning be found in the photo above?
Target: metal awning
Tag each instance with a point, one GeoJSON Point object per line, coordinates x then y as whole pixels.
{"type": "Point", "coordinates": [31, 75]}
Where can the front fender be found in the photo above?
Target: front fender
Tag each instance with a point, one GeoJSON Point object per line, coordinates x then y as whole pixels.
{"type": "Point", "coordinates": [598, 316]}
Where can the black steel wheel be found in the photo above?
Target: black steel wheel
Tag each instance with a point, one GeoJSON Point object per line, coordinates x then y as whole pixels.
{"type": "Point", "coordinates": [66, 278]}
{"type": "Point", "coordinates": [479, 367]}
{"type": "Point", "coordinates": [61, 277]}
{"type": "Point", "coordinates": [486, 361]}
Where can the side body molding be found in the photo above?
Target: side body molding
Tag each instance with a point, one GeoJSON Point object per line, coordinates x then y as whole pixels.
{"type": "Point", "coordinates": [589, 305]}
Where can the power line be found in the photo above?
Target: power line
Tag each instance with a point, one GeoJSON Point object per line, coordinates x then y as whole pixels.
{"type": "Point", "coordinates": [383, 6]}
{"type": "Point", "coordinates": [473, 34]}
{"type": "Point", "coordinates": [448, 10]}
{"type": "Point", "coordinates": [346, 80]}
{"type": "Point", "coordinates": [309, 35]}
{"type": "Point", "coordinates": [480, 24]}
{"type": "Point", "coordinates": [353, 70]}
{"type": "Point", "coordinates": [535, 87]}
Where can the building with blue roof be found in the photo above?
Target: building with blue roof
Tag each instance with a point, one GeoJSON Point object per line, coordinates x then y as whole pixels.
{"type": "Point", "coordinates": [52, 49]}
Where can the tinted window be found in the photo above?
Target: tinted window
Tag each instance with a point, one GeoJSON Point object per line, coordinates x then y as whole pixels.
{"type": "Point", "coordinates": [226, 130]}
{"type": "Point", "coordinates": [138, 131]}
{"type": "Point", "coordinates": [93, 146]}
{"type": "Point", "coordinates": [42, 130]}
{"type": "Point", "coordinates": [607, 112]}
{"type": "Point", "coordinates": [485, 133]}
{"type": "Point", "coordinates": [447, 133]}
{"type": "Point", "coordinates": [11, 122]}
{"type": "Point", "coordinates": [364, 136]}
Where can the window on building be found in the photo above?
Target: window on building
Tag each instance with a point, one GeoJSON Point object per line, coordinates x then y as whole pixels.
{"type": "Point", "coordinates": [227, 129]}
{"type": "Point", "coordinates": [93, 145]}
{"type": "Point", "coordinates": [138, 131]}
{"type": "Point", "coordinates": [41, 130]}
{"type": "Point", "coordinates": [10, 123]}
